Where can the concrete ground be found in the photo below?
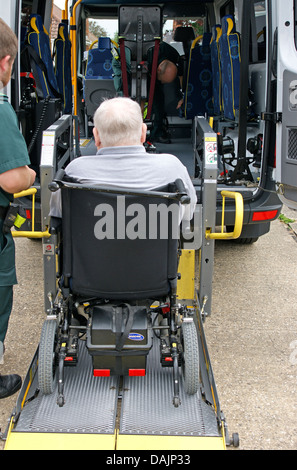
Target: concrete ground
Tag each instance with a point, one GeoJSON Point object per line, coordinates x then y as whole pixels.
{"type": "Point", "coordinates": [252, 338]}
{"type": "Point", "coordinates": [251, 334]}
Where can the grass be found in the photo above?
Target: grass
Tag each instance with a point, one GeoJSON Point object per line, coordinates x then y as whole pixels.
{"type": "Point", "coordinates": [286, 220]}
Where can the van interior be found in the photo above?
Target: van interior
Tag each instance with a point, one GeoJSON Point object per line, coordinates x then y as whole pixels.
{"type": "Point", "coordinates": [212, 82]}
{"type": "Point", "coordinates": [227, 78]}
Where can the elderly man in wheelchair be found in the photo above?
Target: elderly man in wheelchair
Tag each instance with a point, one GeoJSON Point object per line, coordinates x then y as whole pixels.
{"type": "Point", "coordinates": [118, 259]}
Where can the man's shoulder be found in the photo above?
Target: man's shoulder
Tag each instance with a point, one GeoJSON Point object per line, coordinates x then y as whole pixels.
{"type": "Point", "coordinates": [169, 51]}
{"type": "Point", "coordinates": [7, 112]}
{"type": "Point", "coordinates": [166, 158]}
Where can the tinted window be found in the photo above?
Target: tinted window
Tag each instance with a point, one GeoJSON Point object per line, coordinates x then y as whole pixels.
{"type": "Point", "coordinates": [258, 32]}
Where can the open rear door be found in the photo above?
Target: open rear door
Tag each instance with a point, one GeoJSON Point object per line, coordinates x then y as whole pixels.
{"type": "Point", "coordinates": [286, 146]}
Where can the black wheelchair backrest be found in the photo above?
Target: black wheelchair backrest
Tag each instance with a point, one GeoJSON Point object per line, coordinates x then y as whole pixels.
{"type": "Point", "coordinates": [121, 244]}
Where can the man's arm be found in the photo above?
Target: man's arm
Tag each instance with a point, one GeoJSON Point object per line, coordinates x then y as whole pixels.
{"type": "Point", "coordinates": [17, 180]}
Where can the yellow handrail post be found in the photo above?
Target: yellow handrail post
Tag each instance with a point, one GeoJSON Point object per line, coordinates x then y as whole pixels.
{"type": "Point", "coordinates": [239, 212]}
{"type": "Point", "coordinates": [74, 53]}
{"type": "Point", "coordinates": [32, 233]}
{"type": "Point", "coordinates": [65, 12]}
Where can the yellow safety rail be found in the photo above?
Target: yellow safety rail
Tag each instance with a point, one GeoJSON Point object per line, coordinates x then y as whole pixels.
{"type": "Point", "coordinates": [239, 210]}
{"type": "Point", "coordinates": [73, 39]}
{"type": "Point", "coordinates": [32, 233]}
{"type": "Point", "coordinates": [65, 11]}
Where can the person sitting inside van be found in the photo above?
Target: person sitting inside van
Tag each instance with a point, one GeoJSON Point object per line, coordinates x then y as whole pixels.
{"type": "Point", "coordinates": [169, 70]}
{"type": "Point", "coordinates": [121, 159]}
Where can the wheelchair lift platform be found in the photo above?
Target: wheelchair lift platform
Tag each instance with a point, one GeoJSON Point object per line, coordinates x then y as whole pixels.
{"type": "Point", "coordinates": [133, 413]}
{"type": "Point", "coordinates": [122, 413]}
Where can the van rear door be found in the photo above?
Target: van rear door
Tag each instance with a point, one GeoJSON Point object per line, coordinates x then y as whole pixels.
{"type": "Point", "coordinates": [286, 144]}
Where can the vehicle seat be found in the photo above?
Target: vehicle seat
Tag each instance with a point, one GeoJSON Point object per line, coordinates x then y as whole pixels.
{"type": "Point", "coordinates": [99, 60]}
{"type": "Point", "coordinates": [62, 48]}
{"type": "Point", "coordinates": [41, 60]}
{"type": "Point", "coordinates": [98, 81]}
{"type": "Point", "coordinates": [185, 35]}
{"type": "Point", "coordinates": [216, 70]}
{"type": "Point", "coordinates": [198, 94]}
{"type": "Point", "coordinates": [230, 65]}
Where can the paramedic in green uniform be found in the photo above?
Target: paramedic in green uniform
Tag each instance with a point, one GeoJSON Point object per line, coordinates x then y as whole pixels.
{"type": "Point", "coordinates": [15, 176]}
{"type": "Point", "coordinates": [169, 70]}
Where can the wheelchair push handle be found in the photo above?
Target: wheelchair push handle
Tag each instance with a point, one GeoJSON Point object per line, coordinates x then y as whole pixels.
{"type": "Point", "coordinates": [183, 197]}
{"type": "Point", "coordinates": [180, 192]}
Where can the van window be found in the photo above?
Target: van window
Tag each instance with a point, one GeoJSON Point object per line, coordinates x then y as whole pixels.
{"type": "Point", "coordinates": [227, 9]}
{"type": "Point", "coordinates": [170, 25]}
{"type": "Point", "coordinates": [258, 32]}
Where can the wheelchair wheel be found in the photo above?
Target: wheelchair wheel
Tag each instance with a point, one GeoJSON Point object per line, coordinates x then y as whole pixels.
{"type": "Point", "coordinates": [191, 358]}
{"type": "Point", "coordinates": [46, 357]}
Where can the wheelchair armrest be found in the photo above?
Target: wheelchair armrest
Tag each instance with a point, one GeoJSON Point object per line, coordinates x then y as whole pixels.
{"type": "Point", "coordinates": [57, 181]}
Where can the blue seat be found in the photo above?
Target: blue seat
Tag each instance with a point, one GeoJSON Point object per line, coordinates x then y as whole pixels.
{"type": "Point", "coordinates": [99, 60]}
{"type": "Point", "coordinates": [98, 83]}
{"type": "Point", "coordinates": [230, 66]}
{"type": "Point", "coordinates": [198, 94]}
{"type": "Point", "coordinates": [44, 74]}
{"type": "Point", "coordinates": [216, 70]}
{"type": "Point", "coordinates": [62, 48]}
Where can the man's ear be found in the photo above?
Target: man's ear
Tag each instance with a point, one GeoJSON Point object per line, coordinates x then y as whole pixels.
{"type": "Point", "coordinates": [96, 138]}
{"type": "Point", "coordinates": [5, 63]}
{"type": "Point", "coordinates": [143, 133]}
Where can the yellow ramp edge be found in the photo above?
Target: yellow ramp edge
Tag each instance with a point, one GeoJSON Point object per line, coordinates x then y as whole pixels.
{"type": "Point", "coordinates": [138, 442]}
{"type": "Point", "coordinates": [52, 441]}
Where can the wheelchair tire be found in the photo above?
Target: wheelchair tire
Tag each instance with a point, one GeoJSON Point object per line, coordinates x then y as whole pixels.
{"type": "Point", "coordinates": [191, 366]}
{"type": "Point", "coordinates": [46, 357]}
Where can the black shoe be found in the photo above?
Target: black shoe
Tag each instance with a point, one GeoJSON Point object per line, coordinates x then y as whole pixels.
{"type": "Point", "coordinates": [9, 385]}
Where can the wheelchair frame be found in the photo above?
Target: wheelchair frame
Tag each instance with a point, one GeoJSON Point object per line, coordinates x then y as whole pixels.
{"type": "Point", "coordinates": [59, 343]}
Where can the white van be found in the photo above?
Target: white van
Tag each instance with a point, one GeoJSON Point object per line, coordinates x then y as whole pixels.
{"type": "Point", "coordinates": [240, 65]}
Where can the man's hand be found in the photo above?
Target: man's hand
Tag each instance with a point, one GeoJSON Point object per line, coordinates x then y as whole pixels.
{"type": "Point", "coordinates": [179, 104]}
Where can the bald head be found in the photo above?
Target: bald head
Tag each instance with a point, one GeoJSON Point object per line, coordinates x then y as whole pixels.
{"type": "Point", "coordinates": [166, 72]}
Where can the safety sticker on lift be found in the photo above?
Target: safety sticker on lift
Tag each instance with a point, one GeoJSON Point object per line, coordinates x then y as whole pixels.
{"type": "Point", "coordinates": [211, 150]}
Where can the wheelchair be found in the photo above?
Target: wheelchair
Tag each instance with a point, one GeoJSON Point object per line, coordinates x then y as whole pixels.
{"type": "Point", "coordinates": [117, 273]}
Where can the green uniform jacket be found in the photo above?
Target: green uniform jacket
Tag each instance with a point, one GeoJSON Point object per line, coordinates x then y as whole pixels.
{"type": "Point", "coordinates": [13, 154]}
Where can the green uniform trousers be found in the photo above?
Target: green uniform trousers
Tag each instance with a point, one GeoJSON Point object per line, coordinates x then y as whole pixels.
{"type": "Point", "coordinates": [6, 297]}
{"type": "Point", "coordinates": [7, 279]}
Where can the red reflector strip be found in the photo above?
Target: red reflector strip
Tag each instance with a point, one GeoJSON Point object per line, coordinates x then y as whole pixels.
{"type": "Point", "coordinates": [166, 309]}
{"type": "Point", "coordinates": [68, 359]}
{"type": "Point", "coordinates": [28, 214]}
{"type": "Point", "coordinates": [101, 372]}
{"type": "Point", "coordinates": [265, 215]}
{"type": "Point", "coordinates": [136, 372]}
{"type": "Point", "coordinates": [168, 359]}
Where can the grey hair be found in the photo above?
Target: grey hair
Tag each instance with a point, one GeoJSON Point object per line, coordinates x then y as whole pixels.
{"type": "Point", "coordinates": [119, 122]}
